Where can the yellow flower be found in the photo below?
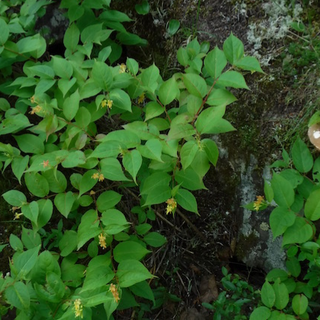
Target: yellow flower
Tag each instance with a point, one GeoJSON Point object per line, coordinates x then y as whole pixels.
{"type": "Point", "coordinates": [123, 68]}
{"type": "Point", "coordinates": [36, 109]}
{"type": "Point", "coordinates": [258, 203]}
{"type": "Point", "coordinates": [95, 176]}
{"type": "Point", "coordinates": [141, 98]}
{"type": "Point", "coordinates": [109, 103]}
{"type": "Point", "coordinates": [92, 193]}
{"type": "Point", "coordinates": [78, 308]}
{"type": "Point", "coordinates": [101, 177]}
{"type": "Point", "coordinates": [114, 292]}
{"type": "Point", "coordinates": [33, 99]}
{"type": "Point", "coordinates": [171, 205]}
{"type": "Point", "coordinates": [103, 103]}
{"type": "Point", "coordinates": [17, 216]}
{"type": "Point", "coordinates": [102, 241]}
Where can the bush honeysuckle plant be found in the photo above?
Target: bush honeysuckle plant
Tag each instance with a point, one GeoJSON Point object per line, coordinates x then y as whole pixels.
{"type": "Point", "coordinates": [79, 131]}
{"type": "Point", "coordinates": [295, 190]}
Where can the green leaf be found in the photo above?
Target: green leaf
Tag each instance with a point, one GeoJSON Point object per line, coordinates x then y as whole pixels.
{"type": "Point", "coordinates": [45, 212]}
{"type": "Point", "coordinates": [249, 63]}
{"type": "Point", "coordinates": [181, 131]}
{"type": "Point", "coordinates": [42, 71]}
{"type": "Point", "coordinates": [120, 99]}
{"type": "Point", "coordinates": [88, 228]}
{"type": "Point", "coordinates": [153, 181]}
{"type": "Point", "coordinates": [4, 104]}
{"type": "Point", "coordinates": [282, 295]}
{"type": "Point", "coordinates": [158, 195]}
{"type": "Point", "coordinates": [312, 206]}
{"type": "Point", "coordinates": [195, 84]}
{"type": "Point", "coordinates": [283, 191]}
{"type": "Point", "coordinates": [233, 49]}
{"type": "Point", "coordinates": [129, 250]}
{"type": "Point", "coordinates": [173, 27]}
{"type": "Point", "coordinates": [219, 97]}
{"type": "Point", "coordinates": [98, 273]}
{"type": "Point", "coordinates": [30, 143]}
{"type": "Point", "coordinates": [112, 170]}
{"type": "Point", "coordinates": [15, 198]}
{"type": "Point", "coordinates": [36, 184]}
{"type": "Point", "coordinates": [107, 200]}
{"type": "Point", "coordinates": [128, 138]}
{"type": "Point", "coordinates": [211, 150]}
{"type": "Point", "coordinates": [261, 313]}
{"type": "Point", "coordinates": [15, 124]}
{"type": "Point", "coordinates": [17, 294]}
{"type": "Point", "coordinates": [71, 105]}
{"type": "Point", "coordinates": [299, 304]}
{"type": "Point", "coordinates": [151, 150]}
{"type": "Point", "coordinates": [143, 8]}
{"type": "Point", "coordinates": [232, 79]}
{"type": "Point", "coordinates": [183, 57]}
{"type": "Point", "coordinates": [68, 242]}
{"type": "Point", "coordinates": [280, 219]}
{"type": "Point", "coordinates": [133, 66]}
{"type": "Point", "coordinates": [299, 232]}
{"type": "Point", "coordinates": [62, 67]}
{"type": "Point", "coordinates": [150, 76]}
{"type": "Point", "coordinates": [155, 239]}
{"type": "Point", "coordinates": [65, 85]}
{"type": "Point", "coordinates": [71, 37]}
{"type": "Point", "coordinates": [31, 211]}
{"type": "Point", "coordinates": [189, 179]}
{"type": "Point", "coordinates": [168, 91]}
{"type": "Point", "coordinates": [75, 12]}
{"type": "Point", "coordinates": [188, 152]}
{"type": "Point", "coordinates": [56, 179]}
{"type": "Point", "coordinates": [64, 202]}
{"type": "Point", "coordinates": [15, 243]}
{"type": "Point", "coordinates": [215, 62]}
{"type": "Point", "coordinates": [132, 162]}
{"type": "Point", "coordinates": [187, 200]}
{"type": "Point", "coordinates": [301, 156]}
{"type": "Point", "coordinates": [107, 149]}
{"type": "Point", "coordinates": [293, 266]}
{"type": "Point", "coordinates": [142, 289]}
{"type": "Point", "coordinates": [4, 32]}
{"type": "Point", "coordinates": [25, 262]}
{"type": "Point", "coordinates": [73, 159]}
{"type": "Point", "coordinates": [114, 221]}
{"type": "Point", "coordinates": [131, 272]}
{"type": "Point", "coordinates": [293, 176]}
{"type": "Point", "coordinates": [210, 121]}
{"type": "Point", "coordinates": [268, 295]}
{"type": "Point", "coordinates": [275, 274]}
{"type": "Point", "coordinates": [87, 182]}
{"type": "Point", "coordinates": [153, 110]}
{"type": "Point", "coordinates": [102, 75]}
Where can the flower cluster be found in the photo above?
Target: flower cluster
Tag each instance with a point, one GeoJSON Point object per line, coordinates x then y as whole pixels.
{"type": "Point", "coordinates": [78, 308]}
{"type": "Point", "coordinates": [171, 205]}
{"type": "Point", "coordinates": [98, 176]}
{"type": "Point", "coordinates": [107, 103]}
{"type": "Point", "coordinates": [123, 68]}
{"type": "Point", "coordinates": [115, 293]}
{"type": "Point", "coordinates": [102, 241]}
{"type": "Point", "coordinates": [36, 109]}
{"type": "Point", "coordinates": [258, 203]}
